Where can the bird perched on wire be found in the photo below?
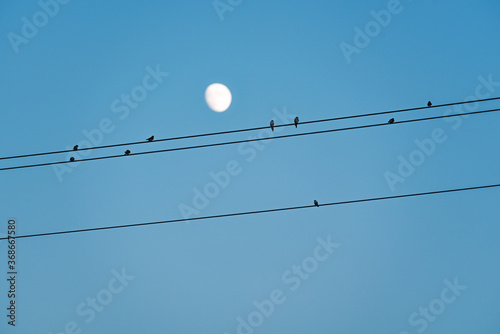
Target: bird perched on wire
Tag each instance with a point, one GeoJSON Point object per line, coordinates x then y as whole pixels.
{"type": "Point", "coordinates": [429, 104]}
{"type": "Point", "coordinates": [75, 147]}
{"type": "Point", "coordinates": [391, 121]}
{"type": "Point", "coordinates": [272, 125]}
{"type": "Point", "coordinates": [72, 159]}
{"type": "Point", "coordinates": [296, 121]}
{"type": "Point", "coordinates": [150, 139]}
{"type": "Point", "coordinates": [316, 203]}
{"type": "Point", "coordinates": [127, 152]}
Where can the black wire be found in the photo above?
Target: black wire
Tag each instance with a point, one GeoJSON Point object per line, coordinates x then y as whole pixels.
{"type": "Point", "coordinates": [250, 140]}
{"type": "Point", "coordinates": [246, 213]}
{"type": "Point", "coordinates": [249, 129]}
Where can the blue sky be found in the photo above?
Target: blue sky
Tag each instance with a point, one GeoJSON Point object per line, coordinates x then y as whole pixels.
{"type": "Point", "coordinates": [411, 265]}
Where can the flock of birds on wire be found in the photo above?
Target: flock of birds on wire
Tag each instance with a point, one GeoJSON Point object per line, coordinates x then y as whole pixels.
{"type": "Point", "coordinates": [271, 124]}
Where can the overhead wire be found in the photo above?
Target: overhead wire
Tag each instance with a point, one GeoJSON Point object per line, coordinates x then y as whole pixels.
{"type": "Point", "coordinates": [246, 213]}
{"type": "Point", "coordinates": [247, 129]}
{"type": "Point", "coordinates": [250, 140]}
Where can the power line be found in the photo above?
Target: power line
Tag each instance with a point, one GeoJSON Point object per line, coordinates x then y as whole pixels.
{"type": "Point", "coordinates": [246, 213]}
{"type": "Point", "coordinates": [249, 129]}
{"type": "Point", "coordinates": [249, 140]}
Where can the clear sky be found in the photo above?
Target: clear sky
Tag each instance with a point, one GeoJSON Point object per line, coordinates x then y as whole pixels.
{"type": "Point", "coordinates": [413, 265]}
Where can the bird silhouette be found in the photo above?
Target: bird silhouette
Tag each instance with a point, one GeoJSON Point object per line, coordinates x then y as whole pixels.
{"type": "Point", "coordinates": [272, 125]}
{"type": "Point", "coordinates": [127, 152]}
{"type": "Point", "coordinates": [75, 147]}
{"type": "Point", "coordinates": [391, 121]}
{"type": "Point", "coordinates": [316, 203]}
{"type": "Point", "coordinates": [296, 121]}
{"type": "Point", "coordinates": [150, 139]}
{"type": "Point", "coordinates": [72, 159]}
{"type": "Point", "coordinates": [429, 104]}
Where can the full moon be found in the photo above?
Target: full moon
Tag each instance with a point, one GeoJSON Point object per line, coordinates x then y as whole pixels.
{"type": "Point", "coordinates": [218, 97]}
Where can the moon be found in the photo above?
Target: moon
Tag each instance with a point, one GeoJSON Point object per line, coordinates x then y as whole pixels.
{"type": "Point", "coordinates": [218, 97]}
